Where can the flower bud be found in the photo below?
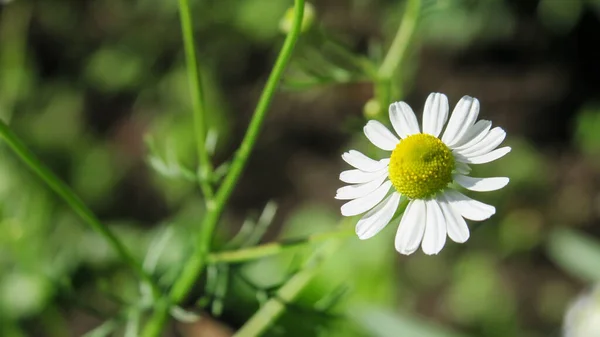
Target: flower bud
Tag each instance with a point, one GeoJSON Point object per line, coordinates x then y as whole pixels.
{"type": "Point", "coordinates": [285, 25]}
{"type": "Point", "coordinates": [371, 109]}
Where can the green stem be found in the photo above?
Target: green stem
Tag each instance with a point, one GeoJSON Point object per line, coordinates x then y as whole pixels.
{"type": "Point", "coordinates": [158, 319]}
{"type": "Point", "coordinates": [76, 204]}
{"type": "Point", "coordinates": [399, 46]}
{"type": "Point", "coordinates": [383, 92]}
{"type": "Point", "coordinates": [14, 26]}
{"type": "Point", "coordinates": [196, 263]}
{"type": "Point", "coordinates": [360, 62]}
{"type": "Point", "coordinates": [397, 53]}
{"type": "Point", "coordinates": [195, 83]}
{"type": "Point", "coordinates": [273, 308]}
{"type": "Point", "coordinates": [269, 249]}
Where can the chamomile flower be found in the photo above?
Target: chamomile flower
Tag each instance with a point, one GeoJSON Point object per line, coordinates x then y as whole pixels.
{"type": "Point", "coordinates": [421, 167]}
{"type": "Point", "coordinates": [583, 316]}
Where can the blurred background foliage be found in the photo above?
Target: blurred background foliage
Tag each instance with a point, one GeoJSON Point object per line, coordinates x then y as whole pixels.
{"type": "Point", "coordinates": [99, 90]}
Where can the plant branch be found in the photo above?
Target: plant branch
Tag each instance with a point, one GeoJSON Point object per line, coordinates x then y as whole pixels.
{"type": "Point", "coordinates": [397, 53]}
{"type": "Point", "coordinates": [194, 266]}
{"type": "Point", "coordinates": [274, 307]}
{"type": "Point", "coordinates": [76, 204]}
{"type": "Point", "coordinates": [195, 83]}
{"type": "Point", "coordinates": [402, 39]}
{"type": "Point", "coordinates": [269, 249]}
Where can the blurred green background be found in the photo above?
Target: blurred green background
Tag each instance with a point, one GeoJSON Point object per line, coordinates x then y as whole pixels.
{"type": "Point", "coordinates": [98, 89]}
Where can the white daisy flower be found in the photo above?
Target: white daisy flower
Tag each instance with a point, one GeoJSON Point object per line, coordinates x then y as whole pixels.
{"type": "Point", "coordinates": [583, 316]}
{"type": "Point", "coordinates": [420, 168]}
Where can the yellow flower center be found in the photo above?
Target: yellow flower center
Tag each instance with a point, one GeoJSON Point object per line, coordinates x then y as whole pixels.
{"type": "Point", "coordinates": [420, 166]}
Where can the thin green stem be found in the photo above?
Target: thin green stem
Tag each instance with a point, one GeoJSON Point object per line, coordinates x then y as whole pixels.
{"type": "Point", "coordinates": [195, 83]}
{"type": "Point", "coordinates": [273, 308]}
{"type": "Point", "coordinates": [14, 26]}
{"type": "Point", "coordinates": [383, 93]}
{"type": "Point", "coordinates": [196, 263]}
{"type": "Point", "coordinates": [397, 53]}
{"type": "Point", "coordinates": [158, 319]}
{"type": "Point", "coordinates": [270, 249]}
{"type": "Point", "coordinates": [194, 266]}
{"type": "Point", "coordinates": [76, 204]}
{"type": "Point", "coordinates": [358, 61]}
{"type": "Point", "coordinates": [401, 42]}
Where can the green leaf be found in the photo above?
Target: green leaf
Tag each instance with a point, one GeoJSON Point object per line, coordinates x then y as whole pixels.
{"type": "Point", "coordinates": [23, 294]}
{"type": "Point", "coordinates": [576, 253]}
{"type": "Point", "coordinates": [133, 324]}
{"type": "Point", "coordinates": [114, 69]}
{"type": "Point", "coordinates": [383, 323]}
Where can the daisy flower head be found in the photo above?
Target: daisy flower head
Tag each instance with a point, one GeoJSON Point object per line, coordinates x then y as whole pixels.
{"type": "Point", "coordinates": [422, 165]}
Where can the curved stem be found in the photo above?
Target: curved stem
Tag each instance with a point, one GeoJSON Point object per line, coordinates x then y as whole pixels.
{"type": "Point", "coordinates": [194, 266]}
{"type": "Point", "coordinates": [269, 249]}
{"type": "Point", "coordinates": [196, 263]}
{"type": "Point", "coordinates": [397, 53]}
{"type": "Point", "coordinates": [273, 308]}
{"type": "Point", "coordinates": [76, 204]}
{"type": "Point", "coordinates": [195, 83]}
{"type": "Point", "coordinates": [399, 46]}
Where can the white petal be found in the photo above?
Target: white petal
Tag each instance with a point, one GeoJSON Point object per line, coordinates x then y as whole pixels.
{"type": "Point", "coordinates": [481, 184]}
{"type": "Point", "coordinates": [361, 205]}
{"type": "Point", "coordinates": [377, 218]}
{"type": "Point", "coordinates": [469, 208]}
{"type": "Point", "coordinates": [412, 226]}
{"type": "Point", "coordinates": [462, 168]}
{"type": "Point", "coordinates": [457, 228]}
{"type": "Point", "coordinates": [463, 117]}
{"type": "Point", "coordinates": [486, 158]}
{"type": "Point", "coordinates": [360, 190]}
{"type": "Point", "coordinates": [403, 119]}
{"type": "Point", "coordinates": [474, 135]}
{"type": "Point", "coordinates": [362, 162]}
{"type": "Point", "coordinates": [380, 136]}
{"type": "Point", "coordinates": [435, 114]}
{"type": "Point", "coordinates": [487, 144]}
{"type": "Point", "coordinates": [435, 229]}
{"type": "Point", "coordinates": [359, 176]}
